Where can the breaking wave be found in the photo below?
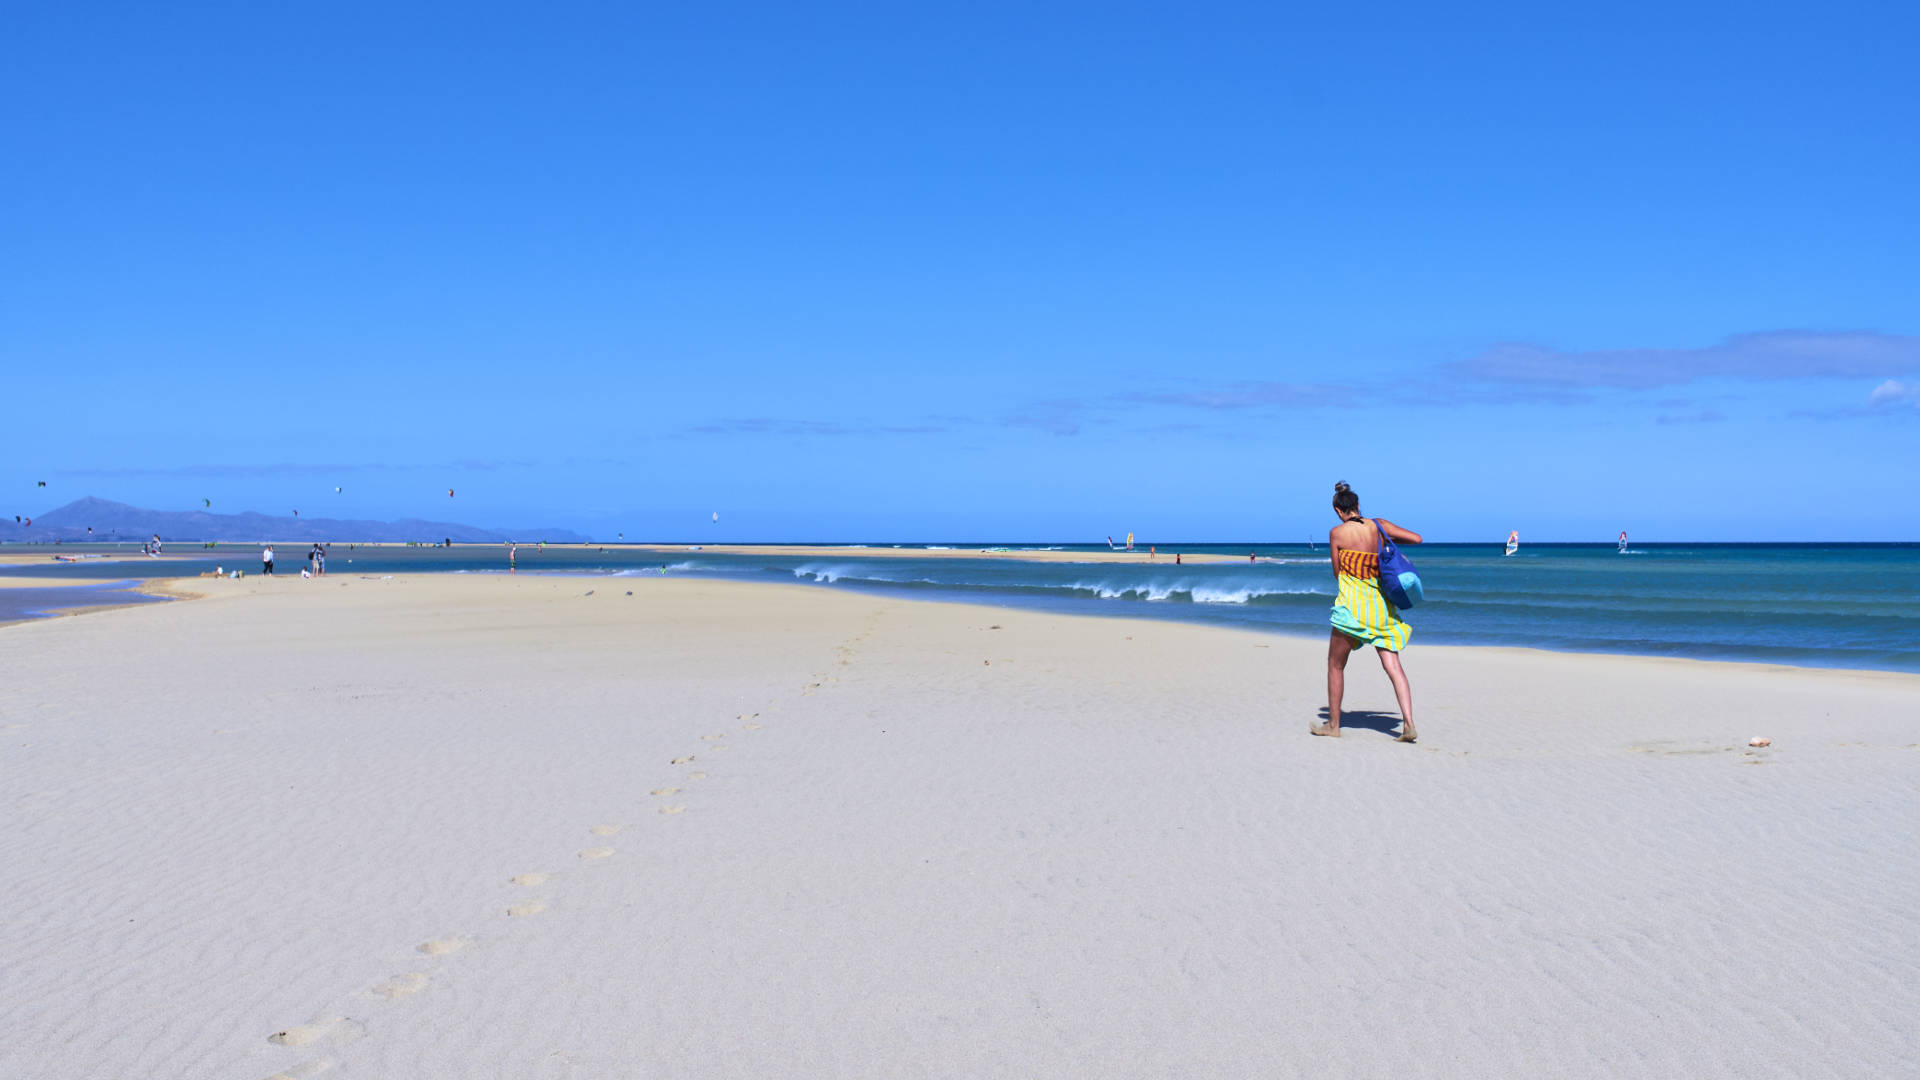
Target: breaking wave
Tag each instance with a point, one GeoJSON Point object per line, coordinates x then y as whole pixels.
{"type": "Point", "coordinates": [1193, 589]}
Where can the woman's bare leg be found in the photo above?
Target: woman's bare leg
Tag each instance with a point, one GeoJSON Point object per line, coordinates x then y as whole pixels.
{"type": "Point", "coordinates": [1391, 662]}
{"type": "Point", "coordinates": [1339, 647]}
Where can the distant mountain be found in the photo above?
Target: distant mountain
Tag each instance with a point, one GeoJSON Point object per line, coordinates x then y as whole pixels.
{"type": "Point", "coordinates": [118, 521]}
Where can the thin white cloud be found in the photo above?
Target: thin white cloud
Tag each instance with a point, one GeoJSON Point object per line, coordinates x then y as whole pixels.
{"type": "Point", "coordinates": [771, 425]}
{"type": "Point", "coordinates": [1893, 392]}
{"type": "Point", "coordinates": [218, 470]}
{"type": "Point", "coordinates": [1771, 355]}
{"type": "Point", "coordinates": [1248, 395]}
{"type": "Point", "coordinates": [1506, 375]}
{"type": "Point", "coordinates": [1704, 416]}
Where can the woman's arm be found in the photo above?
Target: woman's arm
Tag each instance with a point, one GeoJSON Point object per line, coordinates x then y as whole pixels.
{"type": "Point", "coordinates": [1400, 535]}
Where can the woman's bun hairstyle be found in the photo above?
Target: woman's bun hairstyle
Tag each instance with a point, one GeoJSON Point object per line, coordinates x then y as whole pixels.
{"type": "Point", "coordinates": [1344, 500]}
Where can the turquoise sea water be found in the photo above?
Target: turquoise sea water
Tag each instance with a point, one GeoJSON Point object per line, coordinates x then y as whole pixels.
{"type": "Point", "coordinates": [1839, 605]}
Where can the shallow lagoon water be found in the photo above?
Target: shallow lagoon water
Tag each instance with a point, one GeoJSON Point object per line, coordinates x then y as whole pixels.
{"type": "Point", "coordinates": [31, 603]}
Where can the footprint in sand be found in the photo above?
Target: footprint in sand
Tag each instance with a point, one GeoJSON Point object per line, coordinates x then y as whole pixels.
{"type": "Point", "coordinates": [746, 716]}
{"type": "Point", "coordinates": [525, 908]}
{"type": "Point", "coordinates": [333, 1029]}
{"type": "Point", "coordinates": [673, 809]}
{"type": "Point", "coordinates": [606, 830]}
{"type": "Point", "coordinates": [303, 1071]}
{"type": "Point", "coordinates": [693, 776]}
{"type": "Point", "coordinates": [525, 879]}
{"type": "Point", "coordinates": [665, 790]}
{"type": "Point", "coordinates": [403, 985]}
{"type": "Point", "coordinates": [443, 946]}
{"type": "Point", "coordinates": [754, 727]}
{"type": "Point", "coordinates": [710, 738]}
{"type": "Point", "coordinates": [682, 760]}
{"type": "Point", "coordinates": [595, 852]}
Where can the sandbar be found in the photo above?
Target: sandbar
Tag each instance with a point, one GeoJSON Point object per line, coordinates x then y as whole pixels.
{"type": "Point", "coordinates": [540, 826]}
{"type": "Point", "coordinates": [913, 551]}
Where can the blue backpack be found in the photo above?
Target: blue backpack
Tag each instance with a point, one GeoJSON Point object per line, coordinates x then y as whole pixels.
{"type": "Point", "coordinates": [1399, 581]}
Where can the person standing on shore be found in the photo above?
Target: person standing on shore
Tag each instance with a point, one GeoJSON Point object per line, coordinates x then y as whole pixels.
{"type": "Point", "coordinates": [1361, 613]}
{"type": "Point", "coordinates": [266, 559]}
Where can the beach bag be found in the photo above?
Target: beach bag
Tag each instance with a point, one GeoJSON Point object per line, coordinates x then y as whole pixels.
{"type": "Point", "coordinates": [1399, 581]}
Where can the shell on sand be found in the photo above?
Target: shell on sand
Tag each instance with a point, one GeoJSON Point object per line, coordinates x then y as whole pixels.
{"type": "Point", "coordinates": [1759, 740]}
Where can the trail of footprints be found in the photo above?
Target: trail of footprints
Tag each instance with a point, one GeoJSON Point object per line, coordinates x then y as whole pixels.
{"type": "Point", "coordinates": [337, 1030]}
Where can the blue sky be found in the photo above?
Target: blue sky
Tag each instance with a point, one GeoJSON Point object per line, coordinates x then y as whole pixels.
{"type": "Point", "coordinates": [887, 272]}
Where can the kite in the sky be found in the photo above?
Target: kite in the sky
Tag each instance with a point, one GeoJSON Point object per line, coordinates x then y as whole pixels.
{"type": "Point", "coordinates": [296, 513]}
{"type": "Point", "coordinates": [43, 483]}
{"type": "Point", "coordinates": [716, 517]}
{"type": "Point", "coordinates": [449, 493]}
{"type": "Point", "coordinates": [336, 491]}
{"type": "Point", "coordinates": [208, 502]}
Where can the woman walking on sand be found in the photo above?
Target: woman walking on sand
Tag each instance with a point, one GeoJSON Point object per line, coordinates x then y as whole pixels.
{"type": "Point", "coordinates": [1361, 615]}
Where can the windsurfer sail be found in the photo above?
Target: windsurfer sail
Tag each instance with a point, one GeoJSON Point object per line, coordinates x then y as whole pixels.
{"type": "Point", "coordinates": [1623, 541]}
{"type": "Point", "coordinates": [1129, 541]}
{"type": "Point", "coordinates": [1513, 541]}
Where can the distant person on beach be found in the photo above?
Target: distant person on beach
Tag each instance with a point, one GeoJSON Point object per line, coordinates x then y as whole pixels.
{"type": "Point", "coordinates": [266, 559]}
{"type": "Point", "coordinates": [510, 556]}
{"type": "Point", "coordinates": [1361, 614]}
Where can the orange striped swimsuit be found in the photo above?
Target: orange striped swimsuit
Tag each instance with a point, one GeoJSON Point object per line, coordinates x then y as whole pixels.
{"type": "Point", "coordinates": [1361, 612]}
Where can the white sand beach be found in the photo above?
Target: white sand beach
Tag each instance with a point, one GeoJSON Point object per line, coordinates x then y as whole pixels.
{"type": "Point", "coordinates": [548, 827]}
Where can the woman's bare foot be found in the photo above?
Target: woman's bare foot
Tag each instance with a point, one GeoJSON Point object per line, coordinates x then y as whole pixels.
{"type": "Point", "coordinates": [1324, 729]}
{"type": "Point", "coordinates": [1407, 734]}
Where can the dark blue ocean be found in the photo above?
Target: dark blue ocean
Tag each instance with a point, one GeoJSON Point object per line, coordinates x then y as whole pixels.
{"type": "Point", "coordinates": [1835, 605]}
